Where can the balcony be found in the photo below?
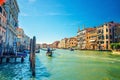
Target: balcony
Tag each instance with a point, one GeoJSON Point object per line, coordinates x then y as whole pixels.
{"type": "Point", "coordinates": [92, 40]}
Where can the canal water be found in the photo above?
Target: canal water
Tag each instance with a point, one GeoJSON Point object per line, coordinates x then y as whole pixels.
{"type": "Point", "coordinates": [66, 65]}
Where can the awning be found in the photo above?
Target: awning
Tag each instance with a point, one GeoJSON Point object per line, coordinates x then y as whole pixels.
{"type": "Point", "coordinates": [2, 2]}
{"type": "Point", "coordinates": [91, 40]}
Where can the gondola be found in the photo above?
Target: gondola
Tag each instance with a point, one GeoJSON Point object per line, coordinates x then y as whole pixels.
{"type": "Point", "coordinates": [71, 49]}
{"type": "Point", "coordinates": [49, 54]}
{"type": "Point", "coordinates": [37, 51]}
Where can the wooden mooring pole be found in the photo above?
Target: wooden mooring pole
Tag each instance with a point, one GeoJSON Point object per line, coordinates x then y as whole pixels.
{"type": "Point", "coordinates": [31, 51]}
{"type": "Point", "coordinates": [32, 55]}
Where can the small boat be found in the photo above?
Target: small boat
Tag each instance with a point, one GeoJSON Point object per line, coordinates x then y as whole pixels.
{"type": "Point", "coordinates": [37, 51]}
{"type": "Point", "coordinates": [49, 54]}
{"type": "Point", "coordinates": [71, 49]}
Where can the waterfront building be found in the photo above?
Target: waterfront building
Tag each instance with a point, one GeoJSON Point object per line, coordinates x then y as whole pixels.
{"type": "Point", "coordinates": [91, 38]}
{"type": "Point", "coordinates": [68, 43]}
{"type": "Point", "coordinates": [50, 45]}
{"type": "Point", "coordinates": [100, 38]}
{"type": "Point", "coordinates": [62, 43]}
{"type": "Point", "coordinates": [55, 44]}
{"type": "Point", "coordinates": [73, 42]}
{"type": "Point", "coordinates": [108, 33]}
{"type": "Point", "coordinates": [20, 39]}
{"type": "Point", "coordinates": [117, 33]}
{"type": "Point", "coordinates": [38, 46]}
{"type": "Point", "coordinates": [12, 10]}
{"type": "Point", "coordinates": [44, 45]}
{"type": "Point", "coordinates": [59, 44]}
{"type": "Point", "coordinates": [81, 37]}
{"type": "Point", "coordinates": [2, 25]}
{"type": "Point", "coordinates": [26, 42]}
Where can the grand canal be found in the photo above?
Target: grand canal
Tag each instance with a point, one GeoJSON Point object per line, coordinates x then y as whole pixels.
{"type": "Point", "coordinates": [66, 65]}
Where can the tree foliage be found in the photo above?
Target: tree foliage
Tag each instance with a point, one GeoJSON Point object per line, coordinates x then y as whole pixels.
{"type": "Point", "coordinates": [115, 46]}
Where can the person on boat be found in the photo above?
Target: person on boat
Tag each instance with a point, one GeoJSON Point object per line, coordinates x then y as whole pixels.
{"type": "Point", "coordinates": [48, 49]}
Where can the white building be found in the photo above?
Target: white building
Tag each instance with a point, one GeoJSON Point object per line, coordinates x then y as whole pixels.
{"type": "Point", "coordinates": [12, 11]}
{"type": "Point", "coordinates": [81, 37]}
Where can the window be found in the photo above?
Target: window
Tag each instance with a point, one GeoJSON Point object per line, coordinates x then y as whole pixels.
{"type": "Point", "coordinates": [106, 42]}
{"type": "Point", "coordinates": [4, 14]}
{"type": "Point", "coordinates": [0, 19]}
{"type": "Point", "coordinates": [110, 30]}
{"type": "Point", "coordinates": [99, 37]}
{"type": "Point", "coordinates": [102, 42]}
{"type": "Point", "coordinates": [102, 31]}
{"type": "Point", "coordinates": [106, 36]}
{"type": "Point", "coordinates": [98, 42]}
{"type": "Point", "coordinates": [110, 36]}
{"type": "Point", "coordinates": [1, 9]}
{"type": "Point", "coordinates": [102, 36]}
{"type": "Point", "coordinates": [106, 30]}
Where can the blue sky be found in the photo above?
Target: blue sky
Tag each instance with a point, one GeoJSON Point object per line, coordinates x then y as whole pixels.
{"type": "Point", "coordinates": [51, 20]}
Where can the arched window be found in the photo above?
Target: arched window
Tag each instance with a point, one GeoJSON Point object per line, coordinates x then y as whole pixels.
{"type": "Point", "coordinates": [106, 36]}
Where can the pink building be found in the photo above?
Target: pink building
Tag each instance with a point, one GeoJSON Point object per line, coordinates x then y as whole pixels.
{"type": "Point", "coordinates": [2, 24]}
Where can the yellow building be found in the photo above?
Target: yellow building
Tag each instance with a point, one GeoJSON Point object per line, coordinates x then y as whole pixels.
{"type": "Point", "coordinates": [73, 42]}
{"type": "Point", "coordinates": [108, 33]}
{"type": "Point", "coordinates": [62, 43]}
{"type": "Point", "coordinates": [68, 43]}
{"type": "Point", "coordinates": [91, 40]}
{"type": "Point", "coordinates": [100, 38]}
{"type": "Point", "coordinates": [55, 44]}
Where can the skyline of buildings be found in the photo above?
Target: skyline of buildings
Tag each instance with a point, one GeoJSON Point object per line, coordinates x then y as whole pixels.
{"type": "Point", "coordinates": [98, 38]}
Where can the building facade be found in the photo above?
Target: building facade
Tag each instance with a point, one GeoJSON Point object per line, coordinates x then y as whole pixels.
{"type": "Point", "coordinates": [62, 43]}
{"type": "Point", "coordinates": [20, 39]}
{"type": "Point", "coordinates": [55, 44]}
{"type": "Point", "coordinates": [2, 25]}
{"type": "Point", "coordinates": [108, 33]}
{"type": "Point", "coordinates": [91, 39]}
{"type": "Point", "coordinates": [26, 42]}
{"type": "Point", "coordinates": [100, 38]}
{"type": "Point", "coordinates": [81, 37]}
{"type": "Point", "coordinates": [68, 43]}
{"type": "Point", "coordinates": [117, 33]}
{"type": "Point", "coordinates": [2, 29]}
{"type": "Point", "coordinates": [44, 45]}
{"type": "Point", "coordinates": [73, 42]}
{"type": "Point", "coordinates": [12, 10]}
